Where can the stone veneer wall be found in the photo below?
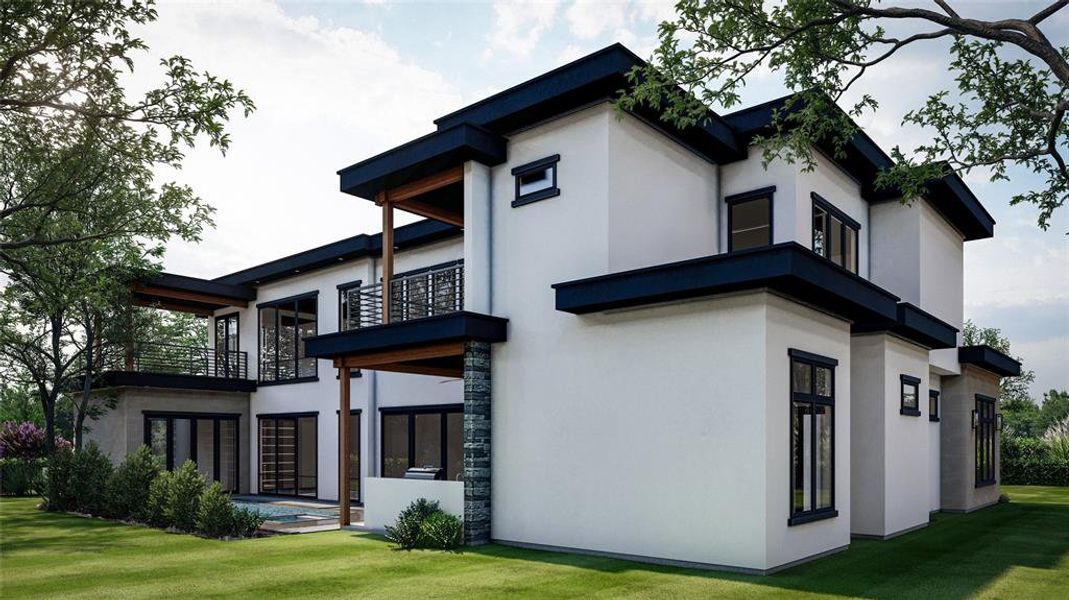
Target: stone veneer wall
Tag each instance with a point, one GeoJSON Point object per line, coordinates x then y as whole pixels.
{"type": "Point", "coordinates": [476, 443]}
{"type": "Point", "coordinates": [958, 440]}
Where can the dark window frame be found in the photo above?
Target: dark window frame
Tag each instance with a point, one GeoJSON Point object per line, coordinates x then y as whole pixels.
{"type": "Point", "coordinates": [549, 162]}
{"type": "Point", "coordinates": [169, 416]}
{"type": "Point", "coordinates": [343, 289]}
{"type": "Point", "coordinates": [933, 406]}
{"type": "Point", "coordinates": [813, 399]}
{"type": "Point", "coordinates": [915, 383]}
{"type": "Point", "coordinates": [224, 361]}
{"type": "Point", "coordinates": [847, 221]}
{"type": "Point", "coordinates": [411, 412]}
{"type": "Point", "coordinates": [289, 300]}
{"type": "Point", "coordinates": [734, 200]}
{"type": "Point", "coordinates": [360, 440]}
{"type": "Point", "coordinates": [296, 417]}
{"type": "Point", "coordinates": [986, 440]}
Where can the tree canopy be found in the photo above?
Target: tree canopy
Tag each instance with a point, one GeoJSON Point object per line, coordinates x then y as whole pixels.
{"type": "Point", "coordinates": [1007, 107]}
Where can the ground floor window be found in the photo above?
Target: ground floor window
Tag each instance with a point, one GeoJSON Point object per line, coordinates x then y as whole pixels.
{"type": "Point", "coordinates": [812, 440]}
{"type": "Point", "coordinates": [354, 455]}
{"type": "Point", "coordinates": [423, 437]}
{"type": "Point", "coordinates": [288, 454]}
{"type": "Point", "coordinates": [933, 406]}
{"type": "Point", "coordinates": [209, 440]}
{"type": "Point", "coordinates": [984, 422]}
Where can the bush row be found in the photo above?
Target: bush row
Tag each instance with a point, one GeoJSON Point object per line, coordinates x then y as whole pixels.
{"type": "Point", "coordinates": [1035, 471]}
{"type": "Point", "coordinates": [22, 476]}
{"type": "Point", "coordinates": [425, 525]}
{"type": "Point", "coordinates": [141, 490]}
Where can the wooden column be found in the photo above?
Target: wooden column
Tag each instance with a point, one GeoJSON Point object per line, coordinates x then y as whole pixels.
{"type": "Point", "coordinates": [343, 447]}
{"type": "Point", "coordinates": [387, 255]}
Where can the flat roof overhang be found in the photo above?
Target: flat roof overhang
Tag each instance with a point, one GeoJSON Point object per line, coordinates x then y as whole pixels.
{"type": "Point", "coordinates": [422, 157]}
{"type": "Point", "coordinates": [113, 379]}
{"type": "Point", "coordinates": [429, 346]}
{"type": "Point", "coordinates": [787, 268]}
{"type": "Point", "coordinates": [989, 359]}
{"type": "Point", "coordinates": [915, 325]}
{"type": "Point", "coordinates": [190, 294]}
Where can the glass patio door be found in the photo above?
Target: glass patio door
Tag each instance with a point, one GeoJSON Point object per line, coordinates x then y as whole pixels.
{"type": "Point", "coordinates": [288, 460]}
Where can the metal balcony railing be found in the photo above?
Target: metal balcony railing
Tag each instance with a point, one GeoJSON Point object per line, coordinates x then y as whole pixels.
{"type": "Point", "coordinates": [172, 359]}
{"type": "Point", "coordinates": [428, 293]}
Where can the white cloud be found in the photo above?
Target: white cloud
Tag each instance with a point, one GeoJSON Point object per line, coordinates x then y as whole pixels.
{"type": "Point", "coordinates": [588, 19]}
{"type": "Point", "coordinates": [326, 97]}
{"type": "Point", "coordinates": [519, 26]}
{"type": "Point", "coordinates": [655, 10]}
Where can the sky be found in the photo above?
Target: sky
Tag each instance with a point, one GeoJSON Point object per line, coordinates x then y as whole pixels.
{"type": "Point", "coordinates": [338, 82]}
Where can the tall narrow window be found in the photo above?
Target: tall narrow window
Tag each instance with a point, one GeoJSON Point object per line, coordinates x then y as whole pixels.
{"type": "Point", "coordinates": [910, 396]}
{"type": "Point", "coordinates": [835, 235]}
{"type": "Point", "coordinates": [812, 437]}
{"type": "Point", "coordinates": [354, 456]}
{"type": "Point", "coordinates": [984, 424]}
{"type": "Point", "coordinates": [284, 325]}
{"type": "Point", "coordinates": [227, 357]}
{"type": "Point", "coordinates": [349, 306]}
{"type": "Point", "coordinates": [933, 405]}
{"type": "Point", "coordinates": [750, 219]}
{"type": "Point", "coordinates": [423, 437]}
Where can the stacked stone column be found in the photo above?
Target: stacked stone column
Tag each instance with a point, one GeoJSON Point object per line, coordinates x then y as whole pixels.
{"type": "Point", "coordinates": [476, 443]}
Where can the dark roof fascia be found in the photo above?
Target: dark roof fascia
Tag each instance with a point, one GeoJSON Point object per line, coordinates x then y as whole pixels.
{"type": "Point", "coordinates": [989, 359]}
{"type": "Point", "coordinates": [421, 157]}
{"type": "Point", "coordinates": [594, 78]}
{"type": "Point", "coordinates": [407, 236]}
{"type": "Point", "coordinates": [787, 268]}
{"type": "Point", "coordinates": [915, 325]}
{"type": "Point", "coordinates": [196, 285]}
{"type": "Point", "coordinates": [113, 379]}
{"type": "Point", "coordinates": [864, 159]}
{"type": "Point", "coordinates": [458, 326]}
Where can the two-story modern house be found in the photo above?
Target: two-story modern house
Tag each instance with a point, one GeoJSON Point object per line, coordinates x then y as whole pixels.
{"type": "Point", "coordinates": [609, 335]}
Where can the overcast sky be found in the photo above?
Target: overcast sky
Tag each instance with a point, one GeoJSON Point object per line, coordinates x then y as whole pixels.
{"type": "Point", "coordinates": [337, 82]}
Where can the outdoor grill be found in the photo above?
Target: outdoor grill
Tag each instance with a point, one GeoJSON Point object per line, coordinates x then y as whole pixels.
{"type": "Point", "coordinates": [427, 473]}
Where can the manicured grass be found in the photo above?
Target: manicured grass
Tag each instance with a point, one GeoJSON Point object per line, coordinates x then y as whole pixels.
{"type": "Point", "coordinates": [1016, 550]}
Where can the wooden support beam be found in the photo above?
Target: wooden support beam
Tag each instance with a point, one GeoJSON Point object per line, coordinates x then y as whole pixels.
{"type": "Point", "coordinates": [371, 360]}
{"type": "Point", "coordinates": [427, 184]}
{"type": "Point", "coordinates": [343, 447]}
{"type": "Point", "coordinates": [417, 369]}
{"type": "Point", "coordinates": [174, 307]}
{"type": "Point", "coordinates": [150, 292]}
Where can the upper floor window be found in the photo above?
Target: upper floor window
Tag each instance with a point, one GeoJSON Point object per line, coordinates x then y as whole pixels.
{"type": "Point", "coordinates": [910, 396]}
{"type": "Point", "coordinates": [835, 235]}
{"type": "Point", "coordinates": [349, 305]}
{"type": "Point", "coordinates": [750, 219]}
{"type": "Point", "coordinates": [284, 325]}
{"type": "Point", "coordinates": [536, 180]}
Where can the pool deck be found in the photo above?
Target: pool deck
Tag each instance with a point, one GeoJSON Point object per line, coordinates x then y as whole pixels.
{"type": "Point", "coordinates": [297, 515]}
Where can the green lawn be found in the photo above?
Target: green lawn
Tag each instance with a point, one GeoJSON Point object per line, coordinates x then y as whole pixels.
{"type": "Point", "coordinates": [1016, 550]}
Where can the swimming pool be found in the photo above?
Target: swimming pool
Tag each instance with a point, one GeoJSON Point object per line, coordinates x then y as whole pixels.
{"type": "Point", "coordinates": [280, 513]}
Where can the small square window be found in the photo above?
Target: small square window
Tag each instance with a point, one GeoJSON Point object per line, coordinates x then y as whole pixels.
{"type": "Point", "coordinates": [750, 219]}
{"type": "Point", "coordinates": [910, 393]}
{"type": "Point", "coordinates": [536, 180]}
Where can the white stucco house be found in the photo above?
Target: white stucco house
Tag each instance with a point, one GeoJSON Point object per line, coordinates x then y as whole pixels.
{"type": "Point", "coordinates": [609, 335]}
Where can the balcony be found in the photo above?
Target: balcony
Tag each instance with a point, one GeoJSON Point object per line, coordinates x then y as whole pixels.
{"type": "Point", "coordinates": [428, 293]}
{"type": "Point", "coordinates": [153, 364]}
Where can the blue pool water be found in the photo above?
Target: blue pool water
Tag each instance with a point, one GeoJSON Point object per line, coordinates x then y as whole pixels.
{"type": "Point", "coordinates": [275, 512]}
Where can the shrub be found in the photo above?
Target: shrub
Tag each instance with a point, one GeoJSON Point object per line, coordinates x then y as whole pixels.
{"type": "Point", "coordinates": [89, 474]}
{"type": "Point", "coordinates": [408, 530]}
{"type": "Point", "coordinates": [22, 440]}
{"type": "Point", "coordinates": [128, 488]}
{"type": "Point", "coordinates": [1022, 449]}
{"type": "Point", "coordinates": [1057, 440]}
{"type": "Point", "coordinates": [1035, 472]}
{"type": "Point", "coordinates": [187, 484]}
{"type": "Point", "coordinates": [215, 512]}
{"type": "Point", "coordinates": [22, 476]}
{"type": "Point", "coordinates": [58, 491]}
{"type": "Point", "coordinates": [442, 531]}
{"type": "Point", "coordinates": [247, 522]}
{"type": "Point", "coordinates": [157, 509]}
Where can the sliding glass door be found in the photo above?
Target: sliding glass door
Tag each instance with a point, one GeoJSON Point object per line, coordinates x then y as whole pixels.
{"type": "Point", "coordinates": [209, 440]}
{"type": "Point", "coordinates": [288, 459]}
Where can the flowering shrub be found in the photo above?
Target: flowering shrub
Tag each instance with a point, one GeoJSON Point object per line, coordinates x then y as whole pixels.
{"type": "Point", "coordinates": [22, 440]}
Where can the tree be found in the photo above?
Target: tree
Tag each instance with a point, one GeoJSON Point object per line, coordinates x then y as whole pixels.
{"type": "Point", "coordinates": [1020, 411]}
{"type": "Point", "coordinates": [1055, 408]}
{"type": "Point", "coordinates": [1008, 108]}
{"type": "Point", "coordinates": [72, 144]}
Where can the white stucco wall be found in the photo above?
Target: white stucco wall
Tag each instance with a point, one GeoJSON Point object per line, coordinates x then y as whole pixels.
{"type": "Point", "coordinates": [385, 498]}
